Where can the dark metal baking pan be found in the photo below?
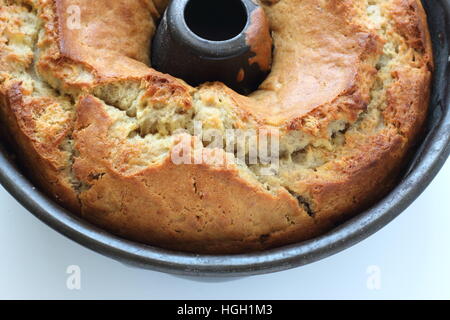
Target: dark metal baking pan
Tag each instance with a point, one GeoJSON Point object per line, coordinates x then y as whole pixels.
{"type": "Point", "coordinates": [427, 161]}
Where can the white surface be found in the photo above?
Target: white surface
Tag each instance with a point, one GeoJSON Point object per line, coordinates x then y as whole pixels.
{"type": "Point", "coordinates": [411, 255]}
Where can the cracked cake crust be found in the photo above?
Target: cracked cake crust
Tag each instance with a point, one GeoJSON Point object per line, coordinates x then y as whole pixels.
{"type": "Point", "coordinates": [94, 125]}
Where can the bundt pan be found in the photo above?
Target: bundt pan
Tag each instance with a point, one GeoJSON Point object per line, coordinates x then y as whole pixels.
{"type": "Point", "coordinates": [427, 160]}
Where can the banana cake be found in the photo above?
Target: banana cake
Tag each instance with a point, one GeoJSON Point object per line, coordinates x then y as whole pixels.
{"type": "Point", "coordinates": [94, 125]}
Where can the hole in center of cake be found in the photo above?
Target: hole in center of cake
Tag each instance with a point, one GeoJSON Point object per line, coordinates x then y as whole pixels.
{"type": "Point", "coordinates": [217, 20]}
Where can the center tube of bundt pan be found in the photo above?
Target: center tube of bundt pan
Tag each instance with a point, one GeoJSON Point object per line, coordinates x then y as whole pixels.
{"type": "Point", "coordinates": [222, 40]}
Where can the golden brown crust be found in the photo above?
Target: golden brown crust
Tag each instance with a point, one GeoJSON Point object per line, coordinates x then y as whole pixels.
{"type": "Point", "coordinates": [101, 36]}
{"type": "Point", "coordinates": [321, 57]}
{"type": "Point", "coordinates": [411, 23]}
{"type": "Point", "coordinates": [95, 125]}
{"type": "Point", "coordinates": [44, 158]}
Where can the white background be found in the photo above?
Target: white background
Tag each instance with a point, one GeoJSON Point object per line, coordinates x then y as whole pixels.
{"type": "Point", "coordinates": [412, 254]}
